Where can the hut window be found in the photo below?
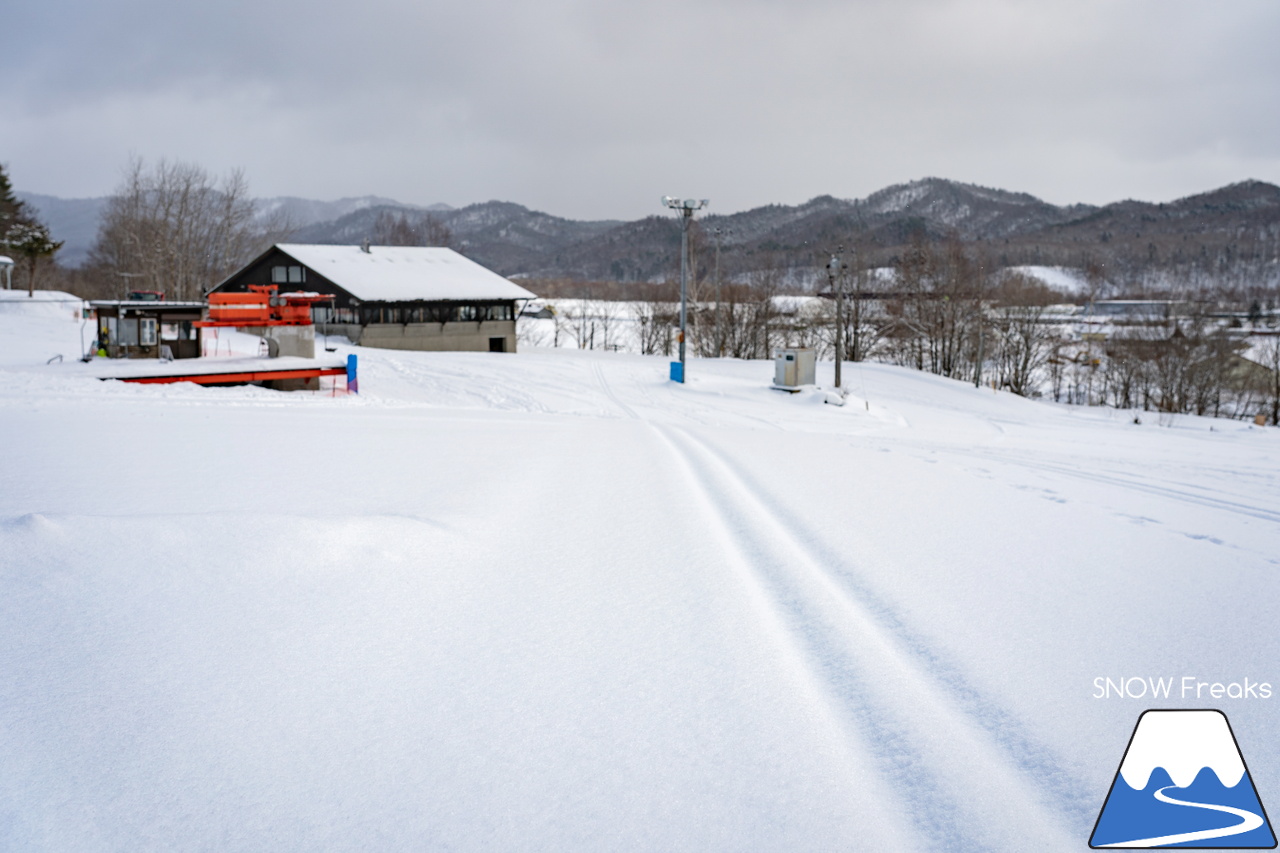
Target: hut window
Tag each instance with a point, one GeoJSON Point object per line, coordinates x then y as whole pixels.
{"type": "Point", "coordinates": [147, 336]}
{"type": "Point", "coordinates": [466, 312]}
{"type": "Point", "coordinates": [128, 331]}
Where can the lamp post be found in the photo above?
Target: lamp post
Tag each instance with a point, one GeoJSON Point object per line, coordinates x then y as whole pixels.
{"type": "Point", "coordinates": [687, 208]}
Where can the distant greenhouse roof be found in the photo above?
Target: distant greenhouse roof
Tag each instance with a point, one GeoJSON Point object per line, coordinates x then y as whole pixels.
{"type": "Point", "coordinates": [404, 273]}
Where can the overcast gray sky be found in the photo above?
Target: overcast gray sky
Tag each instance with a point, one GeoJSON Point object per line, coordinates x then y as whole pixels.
{"type": "Point", "coordinates": [596, 108]}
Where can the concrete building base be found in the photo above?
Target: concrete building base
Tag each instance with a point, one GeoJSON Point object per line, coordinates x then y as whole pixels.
{"type": "Point", "coordinates": [487, 336]}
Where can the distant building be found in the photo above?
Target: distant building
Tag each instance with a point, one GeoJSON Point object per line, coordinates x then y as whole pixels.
{"type": "Point", "coordinates": [147, 328]}
{"type": "Point", "coordinates": [396, 297]}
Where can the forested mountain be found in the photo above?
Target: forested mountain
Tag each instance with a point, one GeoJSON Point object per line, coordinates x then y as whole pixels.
{"type": "Point", "coordinates": [1230, 234]}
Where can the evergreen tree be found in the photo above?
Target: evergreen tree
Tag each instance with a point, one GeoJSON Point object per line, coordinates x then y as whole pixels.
{"type": "Point", "coordinates": [12, 209]}
{"type": "Point", "coordinates": [23, 234]}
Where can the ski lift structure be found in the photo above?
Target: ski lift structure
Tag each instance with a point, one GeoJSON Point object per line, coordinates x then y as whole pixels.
{"type": "Point", "coordinates": [282, 320]}
{"type": "Point", "coordinates": [262, 306]}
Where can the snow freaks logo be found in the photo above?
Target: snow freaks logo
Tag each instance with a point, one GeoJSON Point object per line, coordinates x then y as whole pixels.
{"type": "Point", "coordinates": [1182, 783]}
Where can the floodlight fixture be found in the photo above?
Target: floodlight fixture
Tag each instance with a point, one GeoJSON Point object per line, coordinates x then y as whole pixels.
{"type": "Point", "coordinates": [687, 207]}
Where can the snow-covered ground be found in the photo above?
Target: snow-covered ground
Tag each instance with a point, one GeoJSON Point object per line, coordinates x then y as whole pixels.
{"type": "Point", "coordinates": [551, 601]}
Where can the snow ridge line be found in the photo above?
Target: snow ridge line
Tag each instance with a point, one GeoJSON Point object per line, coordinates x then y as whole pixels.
{"type": "Point", "coordinates": [938, 760]}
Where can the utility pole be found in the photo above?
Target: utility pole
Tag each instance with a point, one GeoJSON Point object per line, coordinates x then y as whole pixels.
{"type": "Point", "coordinates": [856, 354]}
{"type": "Point", "coordinates": [833, 273]}
{"type": "Point", "coordinates": [977, 373]}
{"type": "Point", "coordinates": [687, 208]}
{"type": "Point", "coordinates": [719, 334]}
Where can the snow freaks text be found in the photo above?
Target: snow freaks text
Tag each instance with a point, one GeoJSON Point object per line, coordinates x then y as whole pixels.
{"type": "Point", "coordinates": [1184, 687]}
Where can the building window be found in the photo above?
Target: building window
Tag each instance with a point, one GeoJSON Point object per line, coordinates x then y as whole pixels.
{"type": "Point", "coordinates": [148, 334]}
{"type": "Point", "coordinates": [288, 275]}
{"type": "Point", "coordinates": [466, 313]}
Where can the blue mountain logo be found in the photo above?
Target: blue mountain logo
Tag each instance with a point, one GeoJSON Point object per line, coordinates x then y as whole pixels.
{"type": "Point", "coordinates": [1183, 783]}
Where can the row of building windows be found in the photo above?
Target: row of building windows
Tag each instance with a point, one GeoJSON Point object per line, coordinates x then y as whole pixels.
{"type": "Point", "coordinates": [430, 313]}
{"type": "Point", "coordinates": [141, 331]}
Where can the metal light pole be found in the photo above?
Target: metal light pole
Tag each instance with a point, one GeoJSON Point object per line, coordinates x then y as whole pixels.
{"type": "Point", "coordinates": [833, 273]}
{"type": "Point", "coordinates": [687, 208]}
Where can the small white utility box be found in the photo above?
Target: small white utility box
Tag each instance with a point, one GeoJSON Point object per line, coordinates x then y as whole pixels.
{"type": "Point", "coordinates": [793, 368]}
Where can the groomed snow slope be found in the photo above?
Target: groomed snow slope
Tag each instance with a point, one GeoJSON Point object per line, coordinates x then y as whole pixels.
{"type": "Point", "coordinates": [550, 601]}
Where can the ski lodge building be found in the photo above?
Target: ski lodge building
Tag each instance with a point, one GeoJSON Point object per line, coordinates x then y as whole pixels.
{"type": "Point", "coordinates": [395, 297]}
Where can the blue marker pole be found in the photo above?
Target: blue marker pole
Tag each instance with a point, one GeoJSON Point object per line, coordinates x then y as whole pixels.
{"type": "Point", "coordinates": [353, 384]}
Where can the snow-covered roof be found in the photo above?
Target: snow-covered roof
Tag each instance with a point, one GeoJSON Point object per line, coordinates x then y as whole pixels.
{"type": "Point", "coordinates": [404, 273]}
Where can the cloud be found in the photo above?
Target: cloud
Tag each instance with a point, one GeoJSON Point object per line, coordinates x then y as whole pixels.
{"type": "Point", "coordinates": [598, 108]}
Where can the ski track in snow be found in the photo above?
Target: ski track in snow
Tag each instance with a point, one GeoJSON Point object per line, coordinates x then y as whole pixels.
{"type": "Point", "coordinates": [608, 391]}
{"type": "Point", "coordinates": [869, 676]}
{"type": "Point", "coordinates": [1170, 492]}
{"type": "Point", "coordinates": [865, 667]}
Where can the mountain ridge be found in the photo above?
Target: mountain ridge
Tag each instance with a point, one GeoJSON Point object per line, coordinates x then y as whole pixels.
{"type": "Point", "coordinates": [1234, 229]}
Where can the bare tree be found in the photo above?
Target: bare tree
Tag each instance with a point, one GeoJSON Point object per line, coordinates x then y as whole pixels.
{"type": "Point", "coordinates": [172, 228]}
{"type": "Point", "coordinates": [1269, 354]}
{"type": "Point", "coordinates": [934, 317]}
{"type": "Point", "coordinates": [1022, 339]}
{"type": "Point", "coordinates": [656, 320]}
